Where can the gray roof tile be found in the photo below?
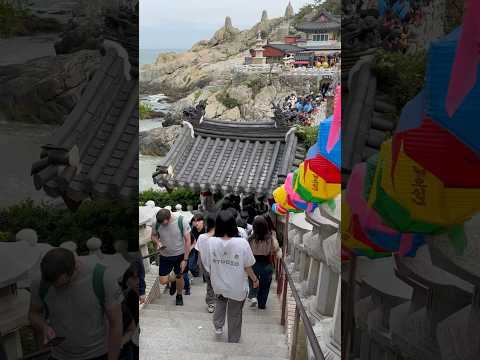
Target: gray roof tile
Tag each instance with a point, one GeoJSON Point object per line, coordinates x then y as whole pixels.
{"type": "Point", "coordinates": [102, 128]}
{"type": "Point", "coordinates": [228, 156]}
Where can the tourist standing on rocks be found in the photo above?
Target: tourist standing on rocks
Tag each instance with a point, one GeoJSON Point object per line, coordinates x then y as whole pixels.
{"type": "Point", "coordinates": [198, 227]}
{"type": "Point", "coordinates": [171, 233]}
{"type": "Point", "coordinates": [202, 247]}
{"type": "Point", "coordinates": [78, 300]}
{"type": "Point", "coordinates": [264, 244]}
{"type": "Point", "coordinates": [229, 261]}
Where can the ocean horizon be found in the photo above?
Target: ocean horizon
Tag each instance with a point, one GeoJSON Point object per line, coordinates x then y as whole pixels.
{"type": "Point", "coordinates": [148, 56]}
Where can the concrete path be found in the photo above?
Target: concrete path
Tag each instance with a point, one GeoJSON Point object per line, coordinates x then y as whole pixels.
{"type": "Point", "coordinates": [171, 332]}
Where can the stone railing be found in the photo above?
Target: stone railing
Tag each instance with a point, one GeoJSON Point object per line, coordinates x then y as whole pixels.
{"type": "Point", "coordinates": [258, 68]}
{"type": "Point", "coordinates": [314, 262]}
{"type": "Point", "coordinates": [410, 307]}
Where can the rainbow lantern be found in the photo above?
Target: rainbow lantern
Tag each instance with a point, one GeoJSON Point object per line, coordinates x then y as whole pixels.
{"type": "Point", "coordinates": [423, 194]}
{"type": "Point", "coordinates": [371, 224]}
{"type": "Point", "coordinates": [452, 88]}
{"type": "Point", "coordinates": [392, 213]}
{"type": "Point", "coordinates": [441, 153]}
{"type": "Point", "coordinates": [294, 198]}
{"type": "Point", "coordinates": [313, 188]}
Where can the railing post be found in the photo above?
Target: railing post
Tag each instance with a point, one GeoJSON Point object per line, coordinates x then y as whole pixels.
{"type": "Point", "coordinates": [284, 276]}
{"type": "Point", "coordinates": [293, 352]}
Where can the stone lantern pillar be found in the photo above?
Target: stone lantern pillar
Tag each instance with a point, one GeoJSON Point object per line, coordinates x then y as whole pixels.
{"type": "Point", "coordinates": [17, 259]}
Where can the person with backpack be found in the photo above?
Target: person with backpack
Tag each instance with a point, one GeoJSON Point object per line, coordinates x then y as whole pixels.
{"type": "Point", "coordinates": [263, 245]}
{"type": "Point", "coordinates": [79, 300]}
{"type": "Point", "coordinates": [171, 233]}
{"type": "Point", "coordinates": [202, 248]}
{"type": "Point", "coordinates": [229, 263]}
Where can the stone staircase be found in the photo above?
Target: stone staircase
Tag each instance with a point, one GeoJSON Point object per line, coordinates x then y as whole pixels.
{"type": "Point", "coordinates": [171, 332]}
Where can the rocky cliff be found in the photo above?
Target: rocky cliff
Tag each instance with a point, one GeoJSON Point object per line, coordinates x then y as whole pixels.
{"type": "Point", "coordinates": [208, 62]}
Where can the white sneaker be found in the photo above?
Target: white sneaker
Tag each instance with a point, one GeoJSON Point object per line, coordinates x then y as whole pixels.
{"type": "Point", "coordinates": [219, 331]}
{"type": "Point", "coordinates": [253, 302]}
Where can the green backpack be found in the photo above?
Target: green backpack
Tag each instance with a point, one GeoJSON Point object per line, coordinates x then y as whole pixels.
{"type": "Point", "coordinates": [97, 283]}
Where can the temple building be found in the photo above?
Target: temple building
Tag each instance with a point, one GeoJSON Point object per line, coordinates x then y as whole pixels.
{"type": "Point", "coordinates": [320, 33]}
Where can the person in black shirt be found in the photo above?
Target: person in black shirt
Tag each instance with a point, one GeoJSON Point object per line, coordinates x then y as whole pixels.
{"type": "Point", "coordinates": [198, 227]}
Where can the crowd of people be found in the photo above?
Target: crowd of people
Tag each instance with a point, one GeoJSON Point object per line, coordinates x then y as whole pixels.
{"type": "Point", "coordinates": [233, 257]}
{"type": "Point", "coordinates": [397, 19]}
{"type": "Point", "coordinates": [305, 107]}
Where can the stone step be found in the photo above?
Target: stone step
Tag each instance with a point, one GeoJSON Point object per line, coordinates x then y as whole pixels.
{"type": "Point", "coordinates": [200, 308]}
{"type": "Point", "coordinates": [252, 334]}
{"type": "Point", "coordinates": [185, 320]}
{"type": "Point", "coordinates": [182, 355]}
{"type": "Point", "coordinates": [197, 300]}
{"type": "Point", "coordinates": [166, 346]}
{"type": "Point", "coordinates": [251, 316]}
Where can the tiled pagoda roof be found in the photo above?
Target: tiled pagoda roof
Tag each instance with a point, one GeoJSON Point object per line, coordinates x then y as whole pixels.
{"type": "Point", "coordinates": [232, 157]}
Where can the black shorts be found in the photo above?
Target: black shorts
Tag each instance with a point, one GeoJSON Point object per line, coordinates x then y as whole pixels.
{"type": "Point", "coordinates": [169, 263]}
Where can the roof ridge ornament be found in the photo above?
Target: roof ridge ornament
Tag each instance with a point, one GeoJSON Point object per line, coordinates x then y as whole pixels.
{"type": "Point", "coordinates": [121, 52]}
{"type": "Point", "coordinates": [292, 130]}
{"type": "Point", "coordinates": [192, 132]}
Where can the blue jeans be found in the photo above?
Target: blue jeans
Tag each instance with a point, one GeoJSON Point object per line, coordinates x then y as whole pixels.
{"type": "Point", "coordinates": [192, 266]}
{"type": "Point", "coordinates": [264, 272]}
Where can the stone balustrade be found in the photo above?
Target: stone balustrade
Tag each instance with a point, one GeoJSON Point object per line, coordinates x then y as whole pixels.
{"type": "Point", "coordinates": [314, 257]}
{"type": "Point", "coordinates": [410, 307]}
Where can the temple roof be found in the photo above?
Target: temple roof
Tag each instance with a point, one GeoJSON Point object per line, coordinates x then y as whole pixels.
{"type": "Point", "coordinates": [323, 21]}
{"type": "Point", "coordinates": [287, 48]}
{"type": "Point", "coordinates": [229, 157]}
{"type": "Point", "coordinates": [94, 154]}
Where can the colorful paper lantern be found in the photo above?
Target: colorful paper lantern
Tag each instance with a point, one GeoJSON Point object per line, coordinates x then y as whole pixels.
{"type": "Point", "coordinates": [295, 198]}
{"type": "Point", "coordinates": [313, 188]}
{"type": "Point", "coordinates": [371, 223]}
{"type": "Point", "coordinates": [320, 147]}
{"type": "Point", "coordinates": [463, 124]}
{"type": "Point", "coordinates": [441, 153]}
{"type": "Point", "coordinates": [392, 213]}
{"type": "Point", "coordinates": [424, 195]}
{"type": "Point", "coordinates": [325, 169]}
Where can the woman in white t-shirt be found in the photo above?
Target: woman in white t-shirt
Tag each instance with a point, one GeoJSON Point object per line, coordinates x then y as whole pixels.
{"type": "Point", "coordinates": [229, 263]}
{"type": "Point", "coordinates": [202, 247]}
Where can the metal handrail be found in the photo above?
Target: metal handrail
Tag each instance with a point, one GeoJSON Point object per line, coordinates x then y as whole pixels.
{"type": "Point", "coordinates": [317, 350]}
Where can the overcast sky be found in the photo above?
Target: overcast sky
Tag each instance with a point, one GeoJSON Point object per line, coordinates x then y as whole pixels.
{"type": "Point", "coordinates": [178, 24]}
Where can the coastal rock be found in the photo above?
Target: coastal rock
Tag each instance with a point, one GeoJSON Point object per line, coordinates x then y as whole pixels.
{"type": "Point", "coordinates": [241, 93]}
{"type": "Point", "coordinates": [214, 108]}
{"type": "Point", "coordinates": [227, 33]}
{"type": "Point", "coordinates": [232, 114]}
{"type": "Point", "coordinates": [263, 102]}
{"type": "Point", "coordinates": [78, 37]}
{"type": "Point", "coordinates": [45, 90]}
{"type": "Point", "coordinates": [157, 142]}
